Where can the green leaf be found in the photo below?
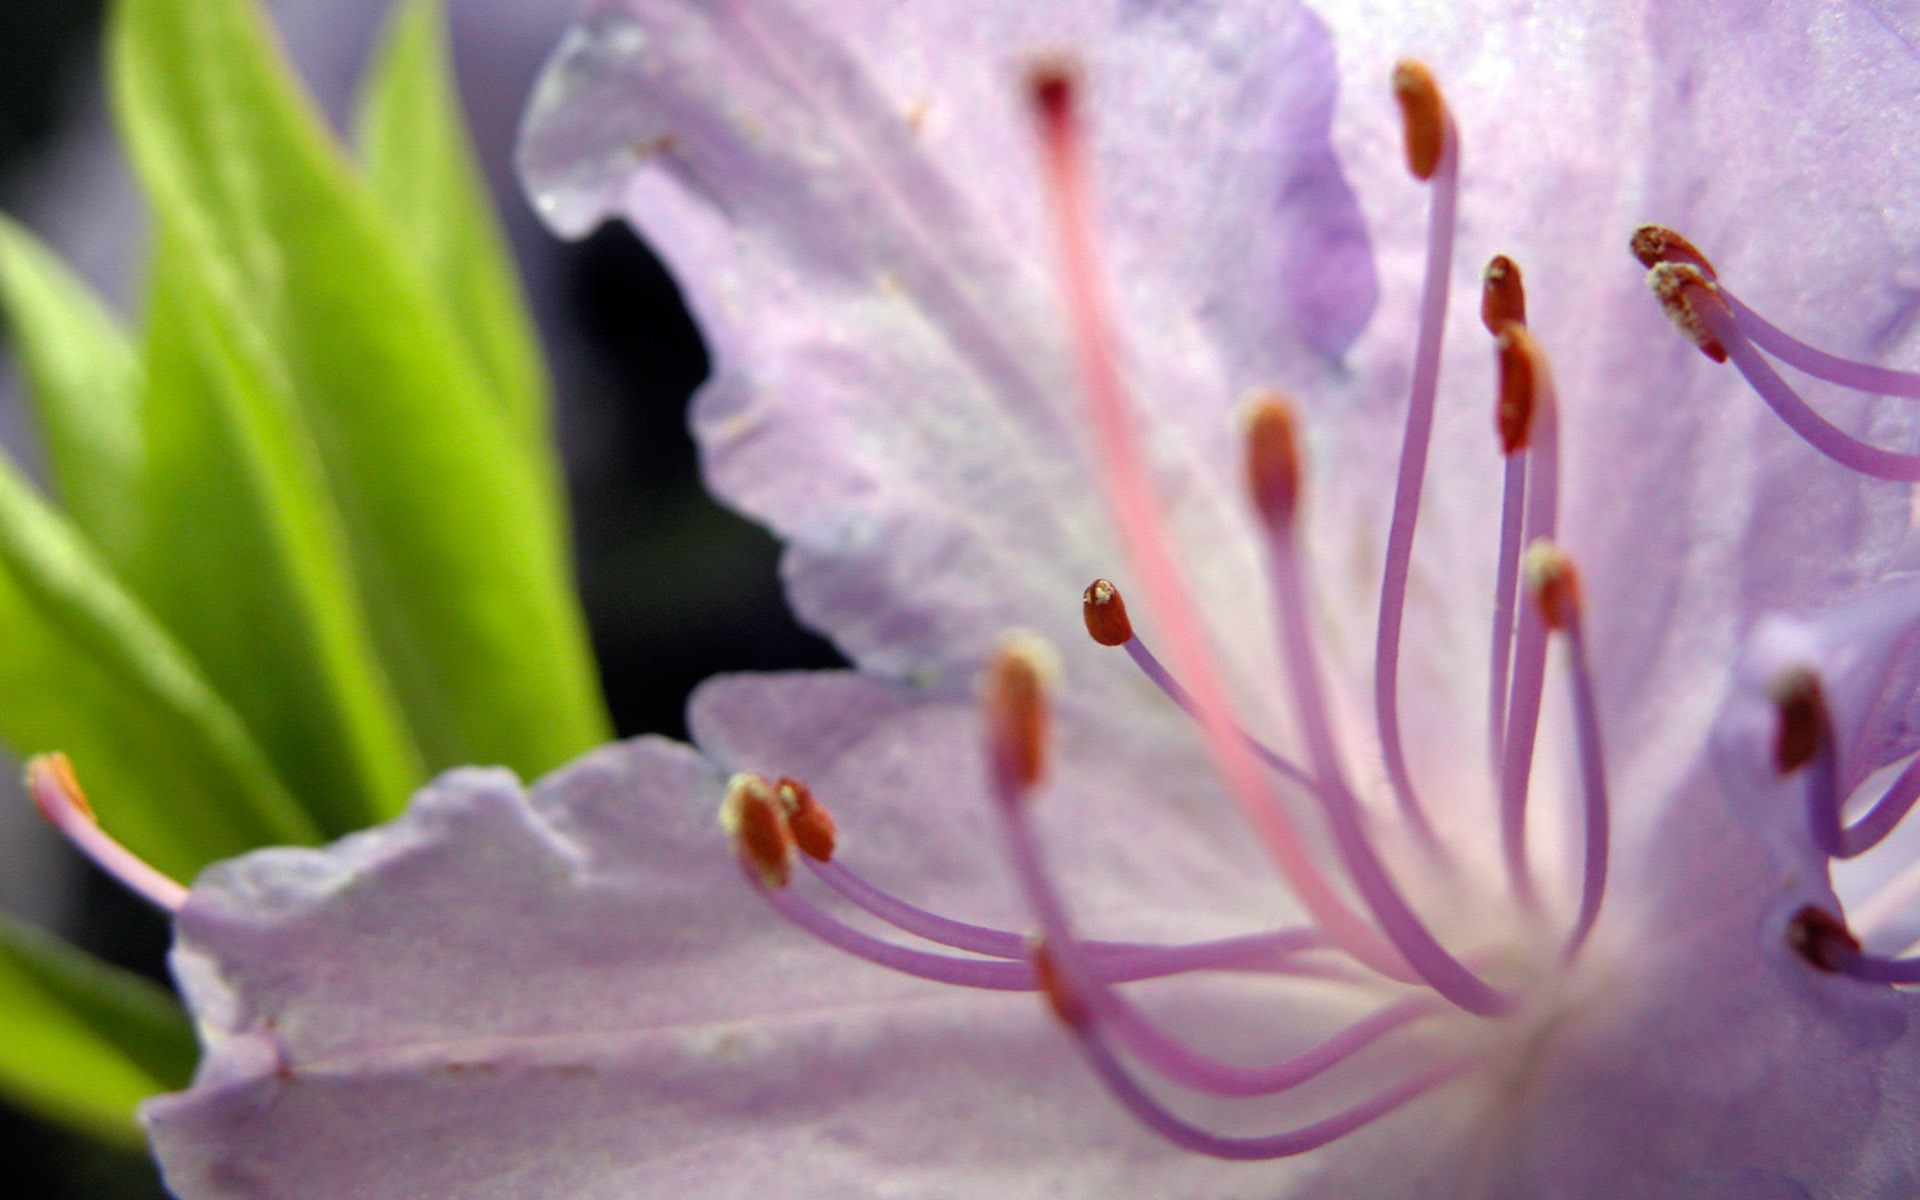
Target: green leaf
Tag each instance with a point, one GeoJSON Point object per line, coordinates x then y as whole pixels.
{"type": "Point", "coordinates": [173, 770]}
{"type": "Point", "coordinates": [262, 589]}
{"type": "Point", "coordinates": [81, 1042]}
{"type": "Point", "coordinates": [422, 166]}
{"type": "Point", "coordinates": [84, 379]}
{"type": "Point", "coordinates": [451, 511]}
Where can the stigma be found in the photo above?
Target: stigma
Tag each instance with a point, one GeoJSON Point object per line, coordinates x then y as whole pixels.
{"type": "Point", "coordinates": [1443, 963]}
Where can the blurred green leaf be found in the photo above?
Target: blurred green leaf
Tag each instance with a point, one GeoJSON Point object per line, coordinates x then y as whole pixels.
{"type": "Point", "coordinates": [245, 560]}
{"type": "Point", "coordinates": [451, 511]}
{"type": "Point", "coordinates": [422, 166]}
{"type": "Point", "coordinates": [83, 377]}
{"type": "Point", "coordinates": [177, 774]}
{"type": "Point", "coordinates": [85, 1042]}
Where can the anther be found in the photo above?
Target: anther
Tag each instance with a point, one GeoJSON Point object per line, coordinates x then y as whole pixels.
{"type": "Point", "coordinates": [1423, 114]}
{"type": "Point", "coordinates": [1503, 298]}
{"type": "Point", "coordinates": [753, 815]}
{"type": "Point", "coordinates": [1656, 244]}
{"type": "Point", "coordinates": [66, 789]}
{"type": "Point", "coordinates": [1821, 938]}
{"type": "Point", "coordinates": [1802, 718]}
{"type": "Point", "coordinates": [1106, 614]}
{"type": "Point", "coordinates": [807, 819]}
{"type": "Point", "coordinates": [1519, 386]}
{"type": "Point", "coordinates": [1273, 457]}
{"type": "Point", "coordinates": [1682, 289]}
{"type": "Point", "coordinates": [1015, 698]}
{"type": "Point", "coordinates": [1554, 582]}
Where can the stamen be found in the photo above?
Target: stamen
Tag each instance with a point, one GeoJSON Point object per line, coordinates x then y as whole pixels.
{"type": "Point", "coordinates": [57, 794]}
{"type": "Point", "coordinates": [1154, 669]}
{"type": "Point", "coordinates": [751, 814]}
{"type": "Point", "coordinates": [1105, 614]}
{"type": "Point", "coordinates": [1859, 376]}
{"type": "Point", "coordinates": [1432, 154]}
{"type": "Point", "coordinates": [1013, 694]}
{"type": "Point", "coordinates": [807, 819]}
{"type": "Point", "coordinates": [1803, 737]}
{"type": "Point", "coordinates": [1273, 457]}
{"type": "Point", "coordinates": [1822, 939]}
{"type": "Point", "coordinates": [1503, 302]}
{"type": "Point", "coordinates": [989, 974]}
{"type": "Point", "coordinates": [1118, 962]}
{"type": "Point", "coordinates": [1130, 496]}
{"type": "Point", "coordinates": [1408, 934]}
{"type": "Point", "coordinates": [1886, 814]}
{"type": "Point", "coordinates": [1423, 116]}
{"type": "Point", "coordinates": [1156, 1116]}
{"type": "Point", "coordinates": [1525, 370]}
{"type": "Point", "coordinates": [1656, 244]}
{"type": "Point", "coordinates": [1686, 295]}
{"type": "Point", "coordinates": [1503, 294]}
{"type": "Point", "coordinates": [1555, 584]}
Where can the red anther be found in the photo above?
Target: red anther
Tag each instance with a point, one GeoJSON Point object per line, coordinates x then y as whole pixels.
{"type": "Point", "coordinates": [1503, 298]}
{"type": "Point", "coordinates": [1656, 244]}
{"type": "Point", "coordinates": [1423, 115]}
{"type": "Point", "coordinates": [1802, 719]}
{"type": "Point", "coordinates": [1555, 584]}
{"type": "Point", "coordinates": [1683, 289]}
{"type": "Point", "coordinates": [60, 768]}
{"type": "Point", "coordinates": [1106, 614]}
{"type": "Point", "coordinates": [1821, 938]}
{"type": "Point", "coordinates": [1520, 360]}
{"type": "Point", "coordinates": [1273, 456]}
{"type": "Point", "coordinates": [1015, 697]}
{"type": "Point", "coordinates": [808, 820]}
{"type": "Point", "coordinates": [1065, 1003]}
{"type": "Point", "coordinates": [753, 814]}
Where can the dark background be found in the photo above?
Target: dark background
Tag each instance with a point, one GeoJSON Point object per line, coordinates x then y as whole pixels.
{"type": "Point", "coordinates": [675, 588]}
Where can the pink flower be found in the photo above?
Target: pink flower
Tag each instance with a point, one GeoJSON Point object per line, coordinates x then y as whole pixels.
{"type": "Point", "coordinates": [1623, 972]}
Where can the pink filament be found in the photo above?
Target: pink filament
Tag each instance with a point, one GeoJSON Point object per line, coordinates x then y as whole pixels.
{"type": "Point", "coordinates": [1409, 935]}
{"type": "Point", "coordinates": [1530, 643]}
{"type": "Point", "coordinates": [1505, 588]}
{"type": "Point", "coordinates": [1129, 489]}
{"type": "Point", "coordinates": [1822, 434]}
{"type": "Point", "coordinates": [1861, 377]}
{"type": "Point", "coordinates": [1877, 823]}
{"type": "Point", "coordinates": [1106, 1008]}
{"type": "Point", "coordinates": [1593, 783]}
{"type": "Point", "coordinates": [1412, 475]}
{"type": "Point", "coordinates": [64, 811]}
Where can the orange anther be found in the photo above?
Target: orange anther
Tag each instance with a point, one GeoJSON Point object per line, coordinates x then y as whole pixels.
{"type": "Point", "coordinates": [1273, 456]}
{"type": "Point", "coordinates": [1423, 115]}
{"type": "Point", "coordinates": [752, 813]}
{"type": "Point", "coordinates": [808, 820]}
{"type": "Point", "coordinates": [1106, 614]}
{"type": "Point", "coordinates": [1555, 584]}
{"type": "Point", "coordinates": [1015, 698]}
{"type": "Point", "coordinates": [1685, 294]}
{"type": "Point", "coordinates": [1521, 363]}
{"type": "Point", "coordinates": [1656, 244]}
{"type": "Point", "coordinates": [1503, 298]}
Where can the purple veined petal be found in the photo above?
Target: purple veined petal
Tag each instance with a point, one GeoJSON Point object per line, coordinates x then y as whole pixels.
{"type": "Point", "coordinates": [849, 196]}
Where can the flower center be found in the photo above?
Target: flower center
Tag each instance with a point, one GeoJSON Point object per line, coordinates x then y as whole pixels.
{"type": "Point", "coordinates": [1371, 909]}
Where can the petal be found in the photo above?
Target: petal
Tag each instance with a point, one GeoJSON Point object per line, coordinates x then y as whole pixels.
{"type": "Point", "coordinates": [573, 994]}
{"type": "Point", "coordinates": [1144, 845]}
{"type": "Point", "coordinates": [1762, 132]}
{"type": "Point", "coordinates": [847, 192]}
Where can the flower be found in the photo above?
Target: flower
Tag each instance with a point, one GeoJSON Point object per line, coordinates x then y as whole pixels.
{"type": "Point", "coordinates": [575, 991]}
